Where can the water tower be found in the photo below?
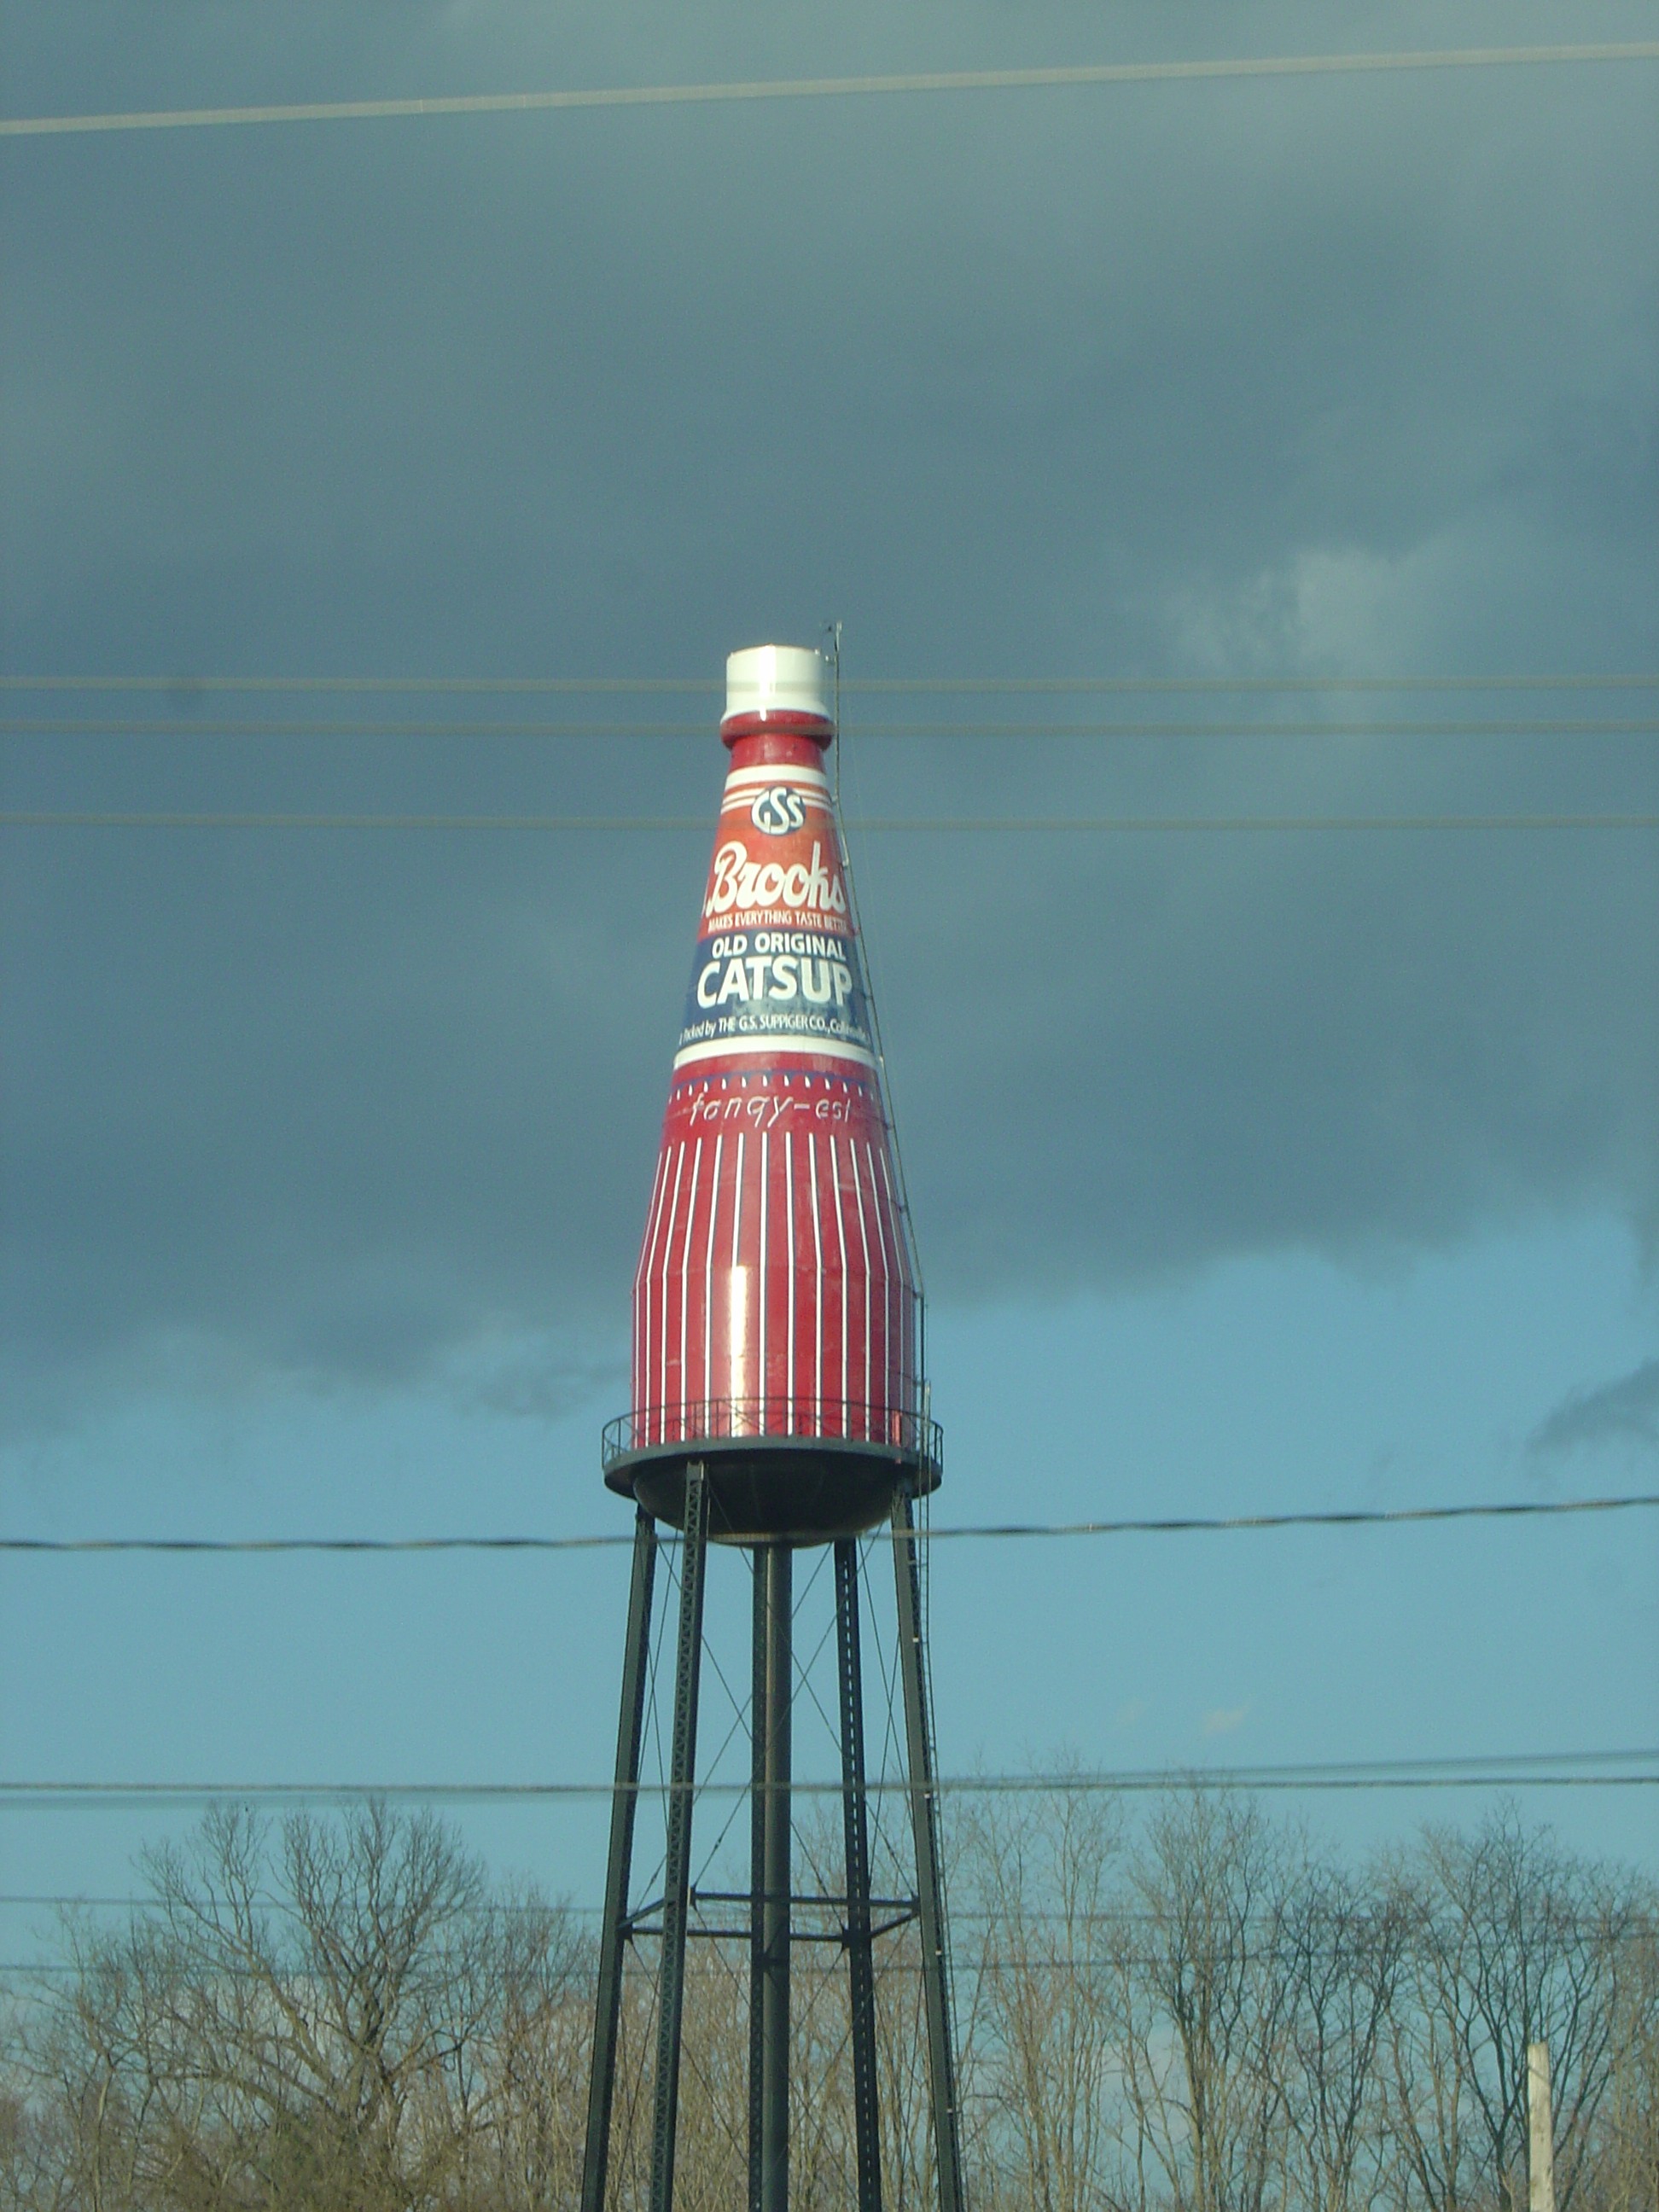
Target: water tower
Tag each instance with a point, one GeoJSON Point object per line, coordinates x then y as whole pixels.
{"type": "Point", "coordinates": [778, 1402]}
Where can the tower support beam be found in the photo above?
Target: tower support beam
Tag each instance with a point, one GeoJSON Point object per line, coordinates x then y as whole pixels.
{"type": "Point", "coordinates": [624, 1805]}
{"type": "Point", "coordinates": [770, 1877]}
{"type": "Point", "coordinates": [758, 1733]}
{"type": "Point", "coordinates": [930, 1889]}
{"type": "Point", "coordinates": [770, 1894]}
{"type": "Point", "coordinates": [855, 1825]}
{"type": "Point", "coordinates": [677, 1873]}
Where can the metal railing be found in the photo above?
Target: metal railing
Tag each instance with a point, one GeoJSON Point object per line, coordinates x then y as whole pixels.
{"type": "Point", "coordinates": [722, 1420]}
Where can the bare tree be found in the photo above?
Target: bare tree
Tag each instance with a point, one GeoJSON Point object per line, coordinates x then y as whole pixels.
{"type": "Point", "coordinates": [521, 2085]}
{"type": "Point", "coordinates": [1203, 2006]}
{"type": "Point", "coordinates": [1044, 1874]}
{"type": "Point", "coordinates": [339, 2042]}
{"type": "Point", "coordinates": [34, 2163]}
{"type": "Point", "coordinates": [1342, 1946]}
{"type": "Point", "coordinates": [1512, 1941]}
{"type": "Point", "coordinates": [1623, 2161]}
{"type": "Point", "coordinates": [342, 2018]}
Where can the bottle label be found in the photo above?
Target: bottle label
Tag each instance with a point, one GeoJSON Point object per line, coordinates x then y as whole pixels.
{"type": "Point", "coordinates": [777, 966]}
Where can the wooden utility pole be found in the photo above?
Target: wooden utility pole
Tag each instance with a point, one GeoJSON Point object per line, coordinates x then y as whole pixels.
{"type": "Point", "coordinates": [1540, 2143]}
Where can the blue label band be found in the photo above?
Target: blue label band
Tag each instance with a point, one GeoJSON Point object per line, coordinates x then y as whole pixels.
{"type": "Point", "coordinates": [792, 988]}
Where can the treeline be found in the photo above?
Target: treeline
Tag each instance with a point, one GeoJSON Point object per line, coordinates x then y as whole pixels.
{"type": "Point", "coordinates": [1197, 2011]}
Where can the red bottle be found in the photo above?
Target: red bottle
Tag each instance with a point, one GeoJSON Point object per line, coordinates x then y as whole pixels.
{"type": "Point", "coordinates": [777, 1317]}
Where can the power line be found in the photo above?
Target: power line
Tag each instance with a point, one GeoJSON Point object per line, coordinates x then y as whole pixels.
{"type": "Point", "coordinates": [198, 726]}
{"type": "Point", "coordinates": [1522, 1770]}
{"type": "Point", "coordinates": [124, 726]}
{"type": "Point", "coordinates": [871, 825]}
{"type": "Point", "coordinates": [1015, 1915]}
{"type": "Point", "coordinates": [187, 685]}
{"type": "Point", "coordinates": [1167, 1525]}
{"type": "Point", "coordinates": [1360, 1517]}
{"type": "Point", "coordinates": [1057, 1964]}
{"type": "Point", "coordinates": [833, 87]}
{"type": "Point", "coordinates": [1213, 685]}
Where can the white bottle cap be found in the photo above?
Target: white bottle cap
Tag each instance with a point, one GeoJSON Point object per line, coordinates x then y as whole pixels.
{"type": "Point", "coordinates": [777, 679]}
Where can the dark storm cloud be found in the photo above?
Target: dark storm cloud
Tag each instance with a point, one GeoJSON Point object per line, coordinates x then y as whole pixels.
{"type": "Point", "coordinates": [1624, 1411]}
{"type": "Point", "coordinates": [1356, 378]}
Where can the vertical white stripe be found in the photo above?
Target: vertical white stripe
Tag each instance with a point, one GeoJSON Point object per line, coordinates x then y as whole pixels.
{"type": "Point", "coordinates": [905, 1290]}
{"type": "Point", "coordinates": [667, 1253]}
{"type": "Point", "coordinates": [840, 1240]}
{"type": "Point", "coordinates": [864, 1241]}
{"type": "Point", "coordinates": [878, 1210]}
{"type": "Point", "coordinates": [685, 1268]}
{"type": "Point", "coordinates": [709, 1275]}
{"type": "Point", "coordinates": [818, 1288]}
{"type": "Point", "coordinates": [642, 1286]}
{"type": "Point", "coordinates": [639, 1265]}
{"type": "Point", "coordinates": [764, 1271]}
{"type": "Point", "coordinates": [734, 1350]}
{"type": "Point", "coordinates": [737, 1201]}
{"type": "Point", "coordinates": [647, 1263]}
{"type": "Point", "coordinates": [789, 1201]}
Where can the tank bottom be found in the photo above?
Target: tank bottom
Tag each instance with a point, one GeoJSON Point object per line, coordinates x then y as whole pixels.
{"type": "Point", "coordinates": [792, 1489]}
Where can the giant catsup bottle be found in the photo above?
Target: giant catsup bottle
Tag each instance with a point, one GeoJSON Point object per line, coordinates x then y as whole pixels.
{"type": "Point", "coordinates": [776, 1319]}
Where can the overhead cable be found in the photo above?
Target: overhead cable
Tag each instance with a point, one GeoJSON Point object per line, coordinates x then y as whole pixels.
{"type": "Point", "coordinates": [1359, 1517]}
{"type": "Point", "coordinates": [185, 685]}
{"type": "Point", "coordinates": [1018, 1915]}
{"type": "Point", "coordinates": [1521, 1769]}
{"type": "Point", "coordinates": [910, 81]}
{"type": "Point", "coordinates": [1165, 1525]}
{"type": "Point", "coordinates": [966, 825]}
{"type": "Point", "coordinates": [1059, 1963]}
{"type": "Point", "coordinates": [209, 726]}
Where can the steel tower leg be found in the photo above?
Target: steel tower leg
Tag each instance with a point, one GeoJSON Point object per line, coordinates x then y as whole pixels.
{"type": "Point", "coordinates": [924, 1814]}
{"type": "Point", "coordinates": [770, 1880]}
{"type": "Point", "coordinates": [624, 1804]}
{"type": "Point", "coordinates": [856, 1826]}
{"type": "Point", "coordinates": [759, 1734]}
{"type": "Point", "coordinates": [677, 1873]}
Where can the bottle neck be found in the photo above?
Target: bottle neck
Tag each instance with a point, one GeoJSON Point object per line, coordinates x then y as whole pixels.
{"type": "Point", "coordinates": [777, 740]}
